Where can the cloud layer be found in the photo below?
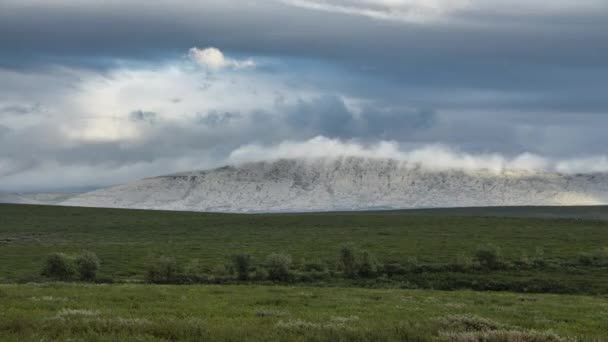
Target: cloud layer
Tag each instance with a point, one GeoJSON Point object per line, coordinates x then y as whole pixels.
{"type": "Point", "coordinates": [418, 11]}
{"type": "Point", "coordinates": [497, 83]}
{"type": "Point", "coordinates": [435, 157]}
{"type": "Point", "coordinates": [75, 128]}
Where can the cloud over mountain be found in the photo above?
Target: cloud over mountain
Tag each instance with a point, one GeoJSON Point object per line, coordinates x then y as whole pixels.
{"type": "Point", "coordinates": [187, 84]}
{"type": "Point", "coordinates": [214, 59]}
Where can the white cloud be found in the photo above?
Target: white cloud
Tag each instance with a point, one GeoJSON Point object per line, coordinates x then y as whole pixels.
{"type": "Point", "coordinates": [399, 10]}
{"type": "Point", "coordinates": [423, 11]}
{"type": "Point", "coordinates": [87, 105]}
{"type": "Point", "coordinates": [73, 127]}
{"type": "Point", "coordinates": [433, 157]}
{"type": "Point", "coordinates": [214, 59]}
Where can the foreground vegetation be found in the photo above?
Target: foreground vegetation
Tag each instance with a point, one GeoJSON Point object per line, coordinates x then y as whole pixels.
{"type": "Point", "coordinates": [359, 276]}
{"type": "Point", "coordinates": [387, 249]}
{"type": "Point", "coordinates": [55, 311]}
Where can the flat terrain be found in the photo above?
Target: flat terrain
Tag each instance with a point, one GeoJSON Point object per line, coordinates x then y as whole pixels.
{"type": "Point", "coordinates": [262, 313]}
{"type": "Point", "coordinates": [598, 212]}
{"type": "Point", "coordinates": [336, 308]}
{"type": "Point", "coordinates": [125, 239]}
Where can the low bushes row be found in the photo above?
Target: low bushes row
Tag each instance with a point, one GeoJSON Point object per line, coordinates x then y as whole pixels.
{"type": "Point", "coordinates": [353, 265]}
{"type": "Point", "coordinates": [63, 267]}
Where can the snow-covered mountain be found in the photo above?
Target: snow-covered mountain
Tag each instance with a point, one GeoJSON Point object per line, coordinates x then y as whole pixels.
{"type": "Point", "coordinates": [35, 198]}
{"type": "Point", "coordinates": [348, 183]}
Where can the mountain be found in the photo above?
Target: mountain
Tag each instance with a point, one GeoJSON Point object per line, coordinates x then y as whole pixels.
{"type": "Point", "coordinates": [348, 183]}
{"type": "Point", "coordinates": [35, 198]}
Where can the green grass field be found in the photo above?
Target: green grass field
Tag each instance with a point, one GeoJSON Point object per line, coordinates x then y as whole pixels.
{"type": "Point", "coordinates": [597, 212]}
{"type": "Point", "coordinates": [125, 239]}
{"type": "Point", "coordinates": [332, 310]}
{"type": "Point", "coordinates": [262, 313]}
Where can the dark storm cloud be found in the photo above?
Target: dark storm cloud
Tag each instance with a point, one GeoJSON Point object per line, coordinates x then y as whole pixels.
{"type": "Point", "coordinates": [270, 28]}
{"type": "Point", "coordinates": [563, 56]}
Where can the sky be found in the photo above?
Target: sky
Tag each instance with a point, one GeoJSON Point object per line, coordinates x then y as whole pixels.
{"type": "Point", "coordinates": [98, 93]}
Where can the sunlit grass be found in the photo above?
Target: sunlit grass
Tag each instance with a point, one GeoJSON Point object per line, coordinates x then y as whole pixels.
{"type": "Point", "coordinates": [155, 312]}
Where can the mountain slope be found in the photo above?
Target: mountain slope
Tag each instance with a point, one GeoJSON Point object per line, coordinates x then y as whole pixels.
{"type": "Point", "coordinates": [35, 198]}
{"type": "Point", "coordinates": [348, 183]}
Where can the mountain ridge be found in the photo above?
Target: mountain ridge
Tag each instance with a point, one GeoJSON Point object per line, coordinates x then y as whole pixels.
{"type": "Point", "coordinates": [348, 183]}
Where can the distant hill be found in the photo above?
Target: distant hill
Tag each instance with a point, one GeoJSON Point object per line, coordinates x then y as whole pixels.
{"type": "Point", "coordinates": [35, 198]}
{"type": "Point", "coordinates": [349, 183]}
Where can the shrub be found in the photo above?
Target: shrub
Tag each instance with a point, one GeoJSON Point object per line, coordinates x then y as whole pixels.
{"type": "Point", "coordinates": [347, 260]}
{"type": "Point", "coordinates": [394, 268]}
{"type": "Point", "coordinates": [242, 265]}
{"type": "Point", "coordinates": [194, 272]}
{"type": "Point", "coordinates": [412, 264]}
{"type": "Point", "coordinates": [163, 270]}
{"type": "Point", "coordinates": [463, 262]}
{"type": "Point", "coordinates": [524, 261]}
{"type": "Point", "coordinates": [220, 270]}
{"type": "Point", "coordinates": [539, 258]}
{"type": "Point", "coordinates": [596, 258]}
{"type": "Point", "coordinates": [277, 266]}
{"type": "Point", "coordinates": [489, 257]}
{"type": "Point", "coordinates": [368, 266]}
{"type": "Point", "coordinates": [88, 265]}
{"type": "Point", "coordinates": [260, 274]}
{"type": "Point", "coordinates": [314, 266]}
{"type": "Point", "coordinates": [585, 259]}
{"type": "Point", "coordinates": [59, 266]}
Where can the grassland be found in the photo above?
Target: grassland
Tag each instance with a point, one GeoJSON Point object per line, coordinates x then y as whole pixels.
{"type": "Point", "coordinates": [125, 239]}
{"type": "Point", "coordinates": [596, 212]}
{"type": "Point", "coordinates": [333, 310]}
{"type": "Point", "coordinates": [263, 313]}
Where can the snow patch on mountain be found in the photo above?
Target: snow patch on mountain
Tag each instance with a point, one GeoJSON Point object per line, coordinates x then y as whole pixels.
{"type": "Point", "coordinates": [346, 183]}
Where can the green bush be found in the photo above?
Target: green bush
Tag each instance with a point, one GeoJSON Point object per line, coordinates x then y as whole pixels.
{"type": "Point", "coordinates": [59, 266]}
{"type": "Point", "coordinates": [463, 262]}
{"type": "Point", "coordinates": [367, 266]}
{"type": "Point", "coordinates": [394, 268]}
{"type": "Point", "coordinates": [354, 262]}
{"type": "Point", "coordinates": [489, 257]}
{"type": "Point", "coordinates": [524, 261]}
{"type": "Point", "coordinates": [347, 260]}
{"type": "Point", "coordinates": [596, 258]}
{"type": "Point", "coordinates": [585, 259]}
{"type": "Point", "coordinates": [195, 272]}
{"type": "Point", "coordinates": [163, 270]}
{"type": "Point", "coordinates": [278, 266]}
{"type": "Point", "coordinates": [260, 274]}
{"type": "Point", "coordinates": [242, 266]}
{"type": "Point", "coordinates": [314, 266]}
{"type": "Point", "coordinates": [539, 258]}
{"type": "Point", "coordinates": [88, 265]}
{"type": "Point", "coordinates": [220, 271]}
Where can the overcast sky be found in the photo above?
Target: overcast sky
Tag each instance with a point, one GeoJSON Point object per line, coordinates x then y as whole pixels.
{"type": "Point", "coordinates": [96, 93]}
